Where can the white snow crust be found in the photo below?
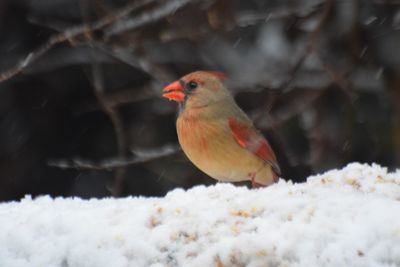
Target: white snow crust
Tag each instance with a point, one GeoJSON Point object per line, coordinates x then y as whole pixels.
{"type": "Point", "coordinates": [348, 217]}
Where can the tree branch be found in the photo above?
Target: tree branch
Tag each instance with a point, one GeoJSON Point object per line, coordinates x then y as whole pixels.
{"type": "Point", "coordinates": [311, 44]}
{"type": "Point", "coordinates": [70, 34]}
{"type": "Point", "coordinates": [157, 13]}
{"type": "Point", "coordinates": [112, 113]}
{"type": "Point", "coordinates": [112, 163]}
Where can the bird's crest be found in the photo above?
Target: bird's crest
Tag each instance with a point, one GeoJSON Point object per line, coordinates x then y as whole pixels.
{"type": "Point", "coordinates": [220, 75]}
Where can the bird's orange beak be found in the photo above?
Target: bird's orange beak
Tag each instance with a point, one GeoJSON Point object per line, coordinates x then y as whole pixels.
{"type": "Point", "coordinates": [174, 91]}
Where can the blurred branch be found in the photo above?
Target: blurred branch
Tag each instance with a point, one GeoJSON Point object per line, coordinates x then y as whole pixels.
{"type": "Point", "coordinates": [115, 99]}
{"type": "Point", "coordinates": [340, 79]}
{"type": "Point", "coordinates": [266, 122]}
{"type": "Point", "coordinates": [157, 13]}
{"type": "Point", "coordinates": [65, 56]}
{"type": "Point", "coordinates": [112, 163]}
{"type": "Point", "coordinates": [387, 2]}
{"type": "Point", "coordinates": [248, 18]}
{"type": "Point", "coordinates": [112, 113]}
{"type": "Point", "coordinates": [298, 106]}
{"type": "Point", "coordinates": [57, 25]}
{"type": "Point", "coordinates": [263, 120]}
{"type": "Point", "coordinates": [134, 59]}
{"type": "Point", "coordinates": [311, 44]}
{"type": "Point", "coordinates": [69, 35]}
{"type": "Point", "coordinates": [395, 85]}
{"type": "Point", "coordinates": [97, 79]}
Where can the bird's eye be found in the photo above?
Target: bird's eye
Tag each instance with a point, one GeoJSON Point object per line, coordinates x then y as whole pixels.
{"type": "Point", "coordinates": [191, 85]}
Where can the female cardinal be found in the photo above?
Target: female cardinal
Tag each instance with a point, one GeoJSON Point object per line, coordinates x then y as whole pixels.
{"type": "Point", "coordinates": [216, 135]}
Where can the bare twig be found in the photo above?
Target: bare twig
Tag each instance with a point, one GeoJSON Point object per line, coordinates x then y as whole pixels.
{"type": "Point", "coordinates": [340, 79]}
{"type": "Point", "coordinates": [112, 113]}
{"type": "Point", "coordinates": [290, 111]}
{"type": "Point", "coordinates": [159, 12]}
{"type": "Point", "coordinates": [311, 44]}
{"type": "Point", "coordinates": [246, 18]}
{"type": "Point", "coordinates": [118, 98]}
{"type": "Point", "coordinates": [112, 163]}
{"type": "Point", "coordinates": [387, 2]}
{"type": "Point", "coordinates": [70, 34]}
{"type": "Point", "coordinates": [109, 108]}
{"type": "Point", "coordinates": [134, 59]}
{"type": "Point", "coordinates": [99, 87]}
{"type": "Point", "coordinates": [337, 77]}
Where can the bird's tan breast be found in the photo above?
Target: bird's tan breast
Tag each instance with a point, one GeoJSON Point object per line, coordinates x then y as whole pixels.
{"type": "Point", "coordinates": [197, 137]}
{"type": "Point", "coordinates": [210, 145]}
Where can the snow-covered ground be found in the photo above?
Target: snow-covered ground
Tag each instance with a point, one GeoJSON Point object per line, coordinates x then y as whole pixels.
{"type": "Point", "coordinates": [348, 217]}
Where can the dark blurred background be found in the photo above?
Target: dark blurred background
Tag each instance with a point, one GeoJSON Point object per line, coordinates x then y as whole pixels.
{"type": "Point", "coordinates": [81, 81]}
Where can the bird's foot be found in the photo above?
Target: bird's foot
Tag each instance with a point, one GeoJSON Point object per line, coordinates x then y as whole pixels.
{"type": "Point", "coordinates": [254, 184]}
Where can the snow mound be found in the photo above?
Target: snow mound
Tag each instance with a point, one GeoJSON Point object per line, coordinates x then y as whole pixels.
{"type": "Point", "coordinates": [348, 217]}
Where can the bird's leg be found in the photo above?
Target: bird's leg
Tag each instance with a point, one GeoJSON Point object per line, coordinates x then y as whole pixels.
{"type": "Point", "coordinates": [254, 184]}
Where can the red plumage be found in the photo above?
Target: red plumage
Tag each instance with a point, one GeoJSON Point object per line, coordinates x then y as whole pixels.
{"type": "Point", "coordinates": [248, 137]}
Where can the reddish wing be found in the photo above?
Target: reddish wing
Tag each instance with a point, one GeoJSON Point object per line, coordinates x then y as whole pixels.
{"type": "Point", "coordinates": [248, 137]}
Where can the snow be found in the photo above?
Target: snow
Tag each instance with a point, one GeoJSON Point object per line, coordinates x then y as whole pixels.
{"type": "Point", "coordinates": [348, 217]}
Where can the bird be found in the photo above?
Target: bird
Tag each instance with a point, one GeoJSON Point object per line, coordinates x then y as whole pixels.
{"type": "Point", "coordinates": [215, 133]}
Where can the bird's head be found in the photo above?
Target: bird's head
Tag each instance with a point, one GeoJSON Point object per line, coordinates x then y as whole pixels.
{"type": "Point", "coordinates": [197, 89]}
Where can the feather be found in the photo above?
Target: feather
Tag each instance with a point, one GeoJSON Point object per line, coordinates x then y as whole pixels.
{"type": "Point", "coordinates": [249, 138]}
{"type": "Point", "coordinates": [220, 75]}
